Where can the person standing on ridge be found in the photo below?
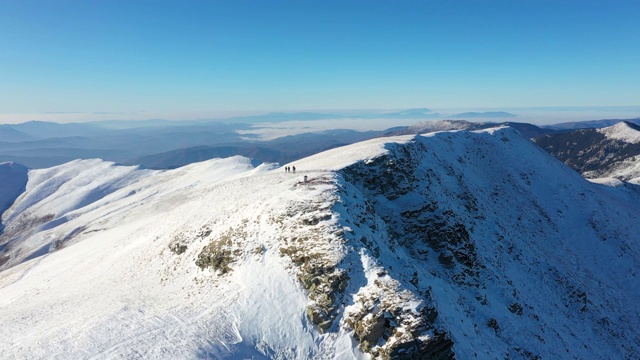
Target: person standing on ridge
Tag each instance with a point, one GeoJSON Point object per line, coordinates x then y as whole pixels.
{"type": "Point", "coordinates": [294, 168]}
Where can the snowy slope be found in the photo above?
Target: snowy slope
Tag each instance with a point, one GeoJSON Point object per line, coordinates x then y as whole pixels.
{"type": "Point", "coordinates": [443, 125]}
{"type": "Point", "coordinates": [85, 191]}
{"type": "Point", "coordinates": [477, 244]}
{"type": "Point", "coordinates": [628, 168]}
{"type": "Point", "coordinates": [613, 151]}
{"type": "Point", "coordinates": [121, 292]}
{"type": "Point", "coordinates": [624, 131]}
{"type": "Point", "coordinates": [511, 258]}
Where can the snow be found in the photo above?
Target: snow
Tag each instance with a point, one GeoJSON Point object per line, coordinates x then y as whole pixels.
{"type": "Point", "coordinates": [621, 131]}
{"type": "Point", "coordinates": [117, 291]}
{"type": "Point", "coordinates": [64, 188]}
{"type": "Point", "coordinates": [613, 182]}
{"type": "Point", "coordinates": [95, 276]}
{"type": "Point", "coordinates": [543, 236]}
{"type": "Point", "coordinates": [434, 126]}
{"type": "Point", "coordinates": [94, 189]}
{"type": "Point", "coordinates": [341, 157]}
{"type": "Point", "coordinates": [628, 168]}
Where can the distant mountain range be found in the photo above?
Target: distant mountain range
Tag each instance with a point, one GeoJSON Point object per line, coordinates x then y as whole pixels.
{"type": "Point", "coordinates": [590, 124]}
{"type": "Point", "coordinates": [281, 150]}
{"type": "Point", "coordinates": [43, 144]}
{"type": "Point", "coordinates": [612, 151]}
{"type": "Point", "coordinates": [525, 129]}
{"type": "Point", "coordinates": [421, 113]}
{"type": "Point", "coordinates": [168, 144]}
{"type": "Point", "coordinates": [489, 114]}
{"type": "Point", "coordinates": [425, 113]}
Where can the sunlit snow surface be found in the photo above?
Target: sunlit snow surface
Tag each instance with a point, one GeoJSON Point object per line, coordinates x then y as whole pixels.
{"type": "Point", "coordinates": [621, 131]}
{"type": "Point", "coordinates": [117, 291]}
{"type": "Point", "coordinates": [102, 282]}
{"type": "Point", "coordinates": [628, 168]}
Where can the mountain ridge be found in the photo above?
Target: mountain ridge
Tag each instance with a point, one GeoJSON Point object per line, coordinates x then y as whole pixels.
{"type": "Point", "coordinates": [612, 151]}
{"type": "Point", "coordinates": [465, 243]}
{"type": "Point", "coordinates": [527, 130]}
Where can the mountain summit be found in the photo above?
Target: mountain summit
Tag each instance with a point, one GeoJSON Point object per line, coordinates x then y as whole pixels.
{"type": "Point", "coordinates": [612, 151]}
{"type": "Point", "coordinates": [625, 131]}
{"type": "Point", "coordinates": [466, 244]}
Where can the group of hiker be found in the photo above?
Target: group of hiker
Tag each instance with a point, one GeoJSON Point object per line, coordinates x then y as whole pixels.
{"type": "Point", "coordinates": [293, 170]}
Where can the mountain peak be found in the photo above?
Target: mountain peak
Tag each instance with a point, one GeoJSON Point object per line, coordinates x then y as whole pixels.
{"type": "Point", "coordinates": [623, 131]}
{"type": "Point", "coordinates": [418, 113]}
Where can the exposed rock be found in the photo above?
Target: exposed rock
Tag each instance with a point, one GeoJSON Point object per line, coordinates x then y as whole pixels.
{"type": "Point", "coordinates": [493, 323]}
{"type": "Point", "coordinates": [222, 251]}
{"type": "Point", "coordinates": [178, 248]}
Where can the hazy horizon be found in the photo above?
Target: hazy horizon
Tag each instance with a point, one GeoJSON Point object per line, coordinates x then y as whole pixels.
{"type": "Point", "coordinates": [534, 115]}
{"type": "Point", "coordinates": [85, 61]}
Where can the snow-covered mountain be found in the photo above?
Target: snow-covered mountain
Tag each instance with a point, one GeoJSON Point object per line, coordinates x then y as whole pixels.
{"type": "Point", "coordinates": [623, 131]}
{"type": "Point", "coordinates": [424, 127]}
{"type": "Point", "coordinates": [590, 124]}
{"type": "Point", "coordinates": [453, 244]}
{"type": "Point", "coordinates": [612, 151]}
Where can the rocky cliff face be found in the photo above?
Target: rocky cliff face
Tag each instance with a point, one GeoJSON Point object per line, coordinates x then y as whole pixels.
{"type": "Point", "coordinates": [506, 262]}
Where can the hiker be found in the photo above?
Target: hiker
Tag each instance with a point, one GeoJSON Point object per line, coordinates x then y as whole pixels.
{"type": "Point", "coordinates": [294, 169]}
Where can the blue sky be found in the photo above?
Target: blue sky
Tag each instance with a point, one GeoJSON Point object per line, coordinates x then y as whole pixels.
{"type": "Point", "coordinates": [128, 59]}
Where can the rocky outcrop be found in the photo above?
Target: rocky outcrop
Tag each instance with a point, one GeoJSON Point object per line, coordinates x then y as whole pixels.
{"type": "Point", "coordinates": [388, 329]}
{"type": "Point", "coordinates": [308, 247]}
{"type": "Point", "coordinates": [221, 252]}
{"type": "Point", "coordinates": [388, 320]}
{"type": "Point", "coordinates": [421, 224]}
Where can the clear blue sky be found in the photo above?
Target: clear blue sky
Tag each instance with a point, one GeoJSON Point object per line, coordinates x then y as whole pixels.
{"type": "Point", "coordinates": [127, 57]}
